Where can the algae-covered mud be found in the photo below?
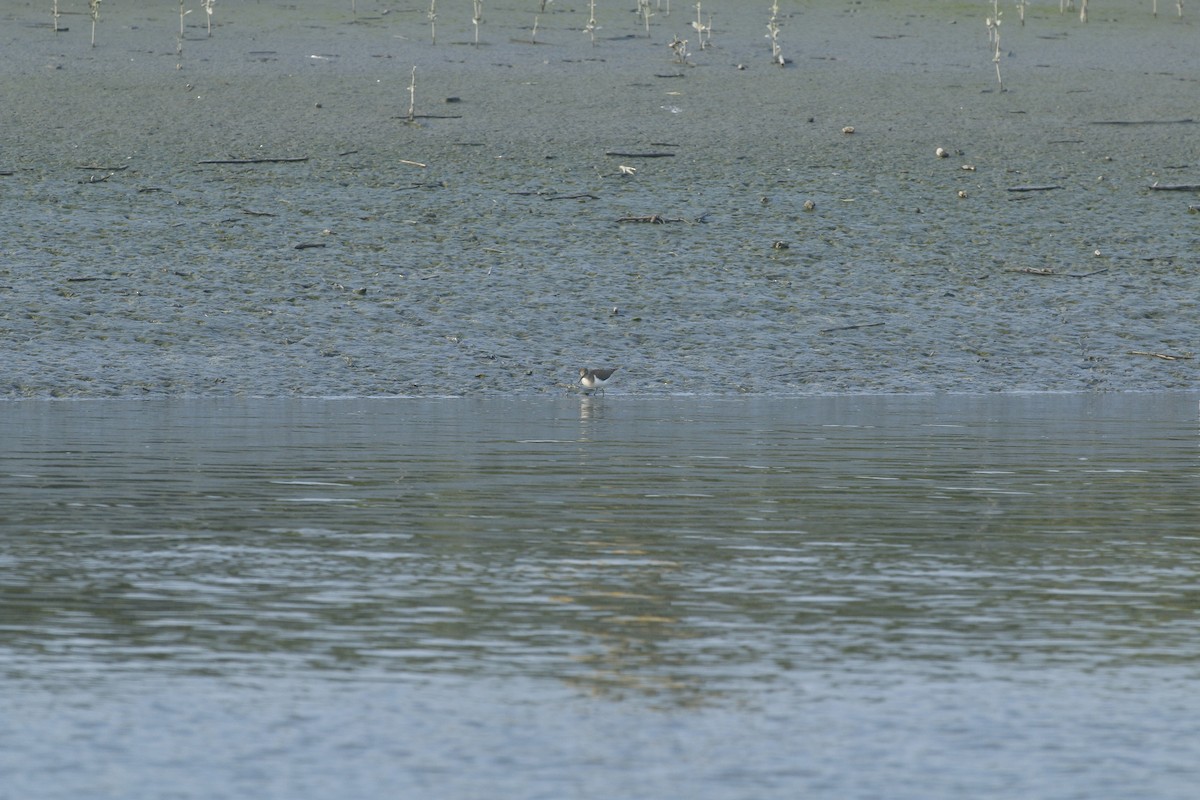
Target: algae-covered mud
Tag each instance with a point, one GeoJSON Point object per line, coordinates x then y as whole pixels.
{"type": "Point", "coordinates": [254, 212]}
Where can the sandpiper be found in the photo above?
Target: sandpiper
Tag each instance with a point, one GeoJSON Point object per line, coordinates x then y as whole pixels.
{"type": "Point", "coordinates": [595, 379]}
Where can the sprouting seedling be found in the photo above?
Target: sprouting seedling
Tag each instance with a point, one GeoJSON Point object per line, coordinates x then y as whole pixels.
{"type": "Point", "coordinates": [773, 29]}
{"type": "Point", "coordinates": [679, 48]}
{"type": "Point", "coordinates": [207, 5]}
{"type": "Point", "coordinates": [703, 31]}
{"type": "Point", "coordinates": [1178, 7]}
{"type": "Point", "coordinates": [412, 96]}
{"type": "Point", "coordinates": [477, 18]}
{"type": "Point", "coordinates": [591, 26]}
{"type": "Point", "coordinates": [1021, 4]}
{"type": "Point", "coordinates": [179, 41]}
{"type": "Point", "coordinates": [432, 15]}
{"type": "Point", "coordinates": [645, 13]}
{"type": "Point", "coordinates": [533, 33]}
{"type": "Point", "coordinates": [1083, 10]}
{"type": "Point", "coordinates": [993, 26]}
{"type": "Point", "coordinates": [94, 9]}
{"type": "Point", "coordinates": [54, 15]}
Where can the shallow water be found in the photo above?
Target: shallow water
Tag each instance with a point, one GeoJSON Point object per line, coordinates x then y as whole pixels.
{"type": "Point", "coordinates": [925, 597]}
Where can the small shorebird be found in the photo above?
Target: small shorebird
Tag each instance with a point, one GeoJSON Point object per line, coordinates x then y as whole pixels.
{"type": "Point", "coordinates": [595, 379]}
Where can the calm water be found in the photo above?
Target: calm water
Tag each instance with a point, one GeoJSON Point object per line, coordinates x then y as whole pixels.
{"type": "Point", "coordinates": [902, 597]}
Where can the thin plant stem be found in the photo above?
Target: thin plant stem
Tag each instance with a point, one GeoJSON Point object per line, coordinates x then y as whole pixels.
{"type": "Point", "coordinates": [703, 31]}
{"type": "Point", "coordinates": [993, 26]}
{"type": "Point", "coordinates": [412, 96]}
{"type": "Point", "coordinates": [773, 29]}
{"type": "Point", "coordinates": [179, 41]}
{"type": "Point", "coordinates": [94, 10]}
{"type": "Point", "coordinates": [591, 25]}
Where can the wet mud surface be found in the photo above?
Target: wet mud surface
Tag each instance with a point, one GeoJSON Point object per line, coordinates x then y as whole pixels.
{"type": "Point", "coordinates": [495, 244]}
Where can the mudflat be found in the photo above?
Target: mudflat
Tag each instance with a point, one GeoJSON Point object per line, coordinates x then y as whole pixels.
{"type": "Point", "coordinates": [320, 199]}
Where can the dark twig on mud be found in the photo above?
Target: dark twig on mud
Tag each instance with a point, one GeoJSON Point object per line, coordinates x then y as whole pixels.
{"type": "Point", "coordinates": [1046, 188]}
{"type": "Point", "coordinates": [1050, 272]}
{"type": "Point", "coordinates": [253, 160]}
{"type": "Point", "coordinates": [573, 197]}
{"type": "Point", "coordinates": [1187, 121]}
{"type": "Point", "coordinates": [308, 245]}
{"type": "Point", "coordinates": [422, 185]}
{"type": "Point", "coordinates": [798, 373]}
{"type": "Point", "coordinates": [659, 219]}
{"type": "Point", "coordinates": [619, 154]}
{"type": "Point", "coordinates": [1163, 356]}
{"type": "Point", "coordinates": [1175, 187]}
{"type": "Point", "coordinates": [852, 327]}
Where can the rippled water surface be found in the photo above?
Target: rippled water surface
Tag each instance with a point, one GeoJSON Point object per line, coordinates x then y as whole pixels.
{"type": "Point", "coordinates": [908, 597]}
